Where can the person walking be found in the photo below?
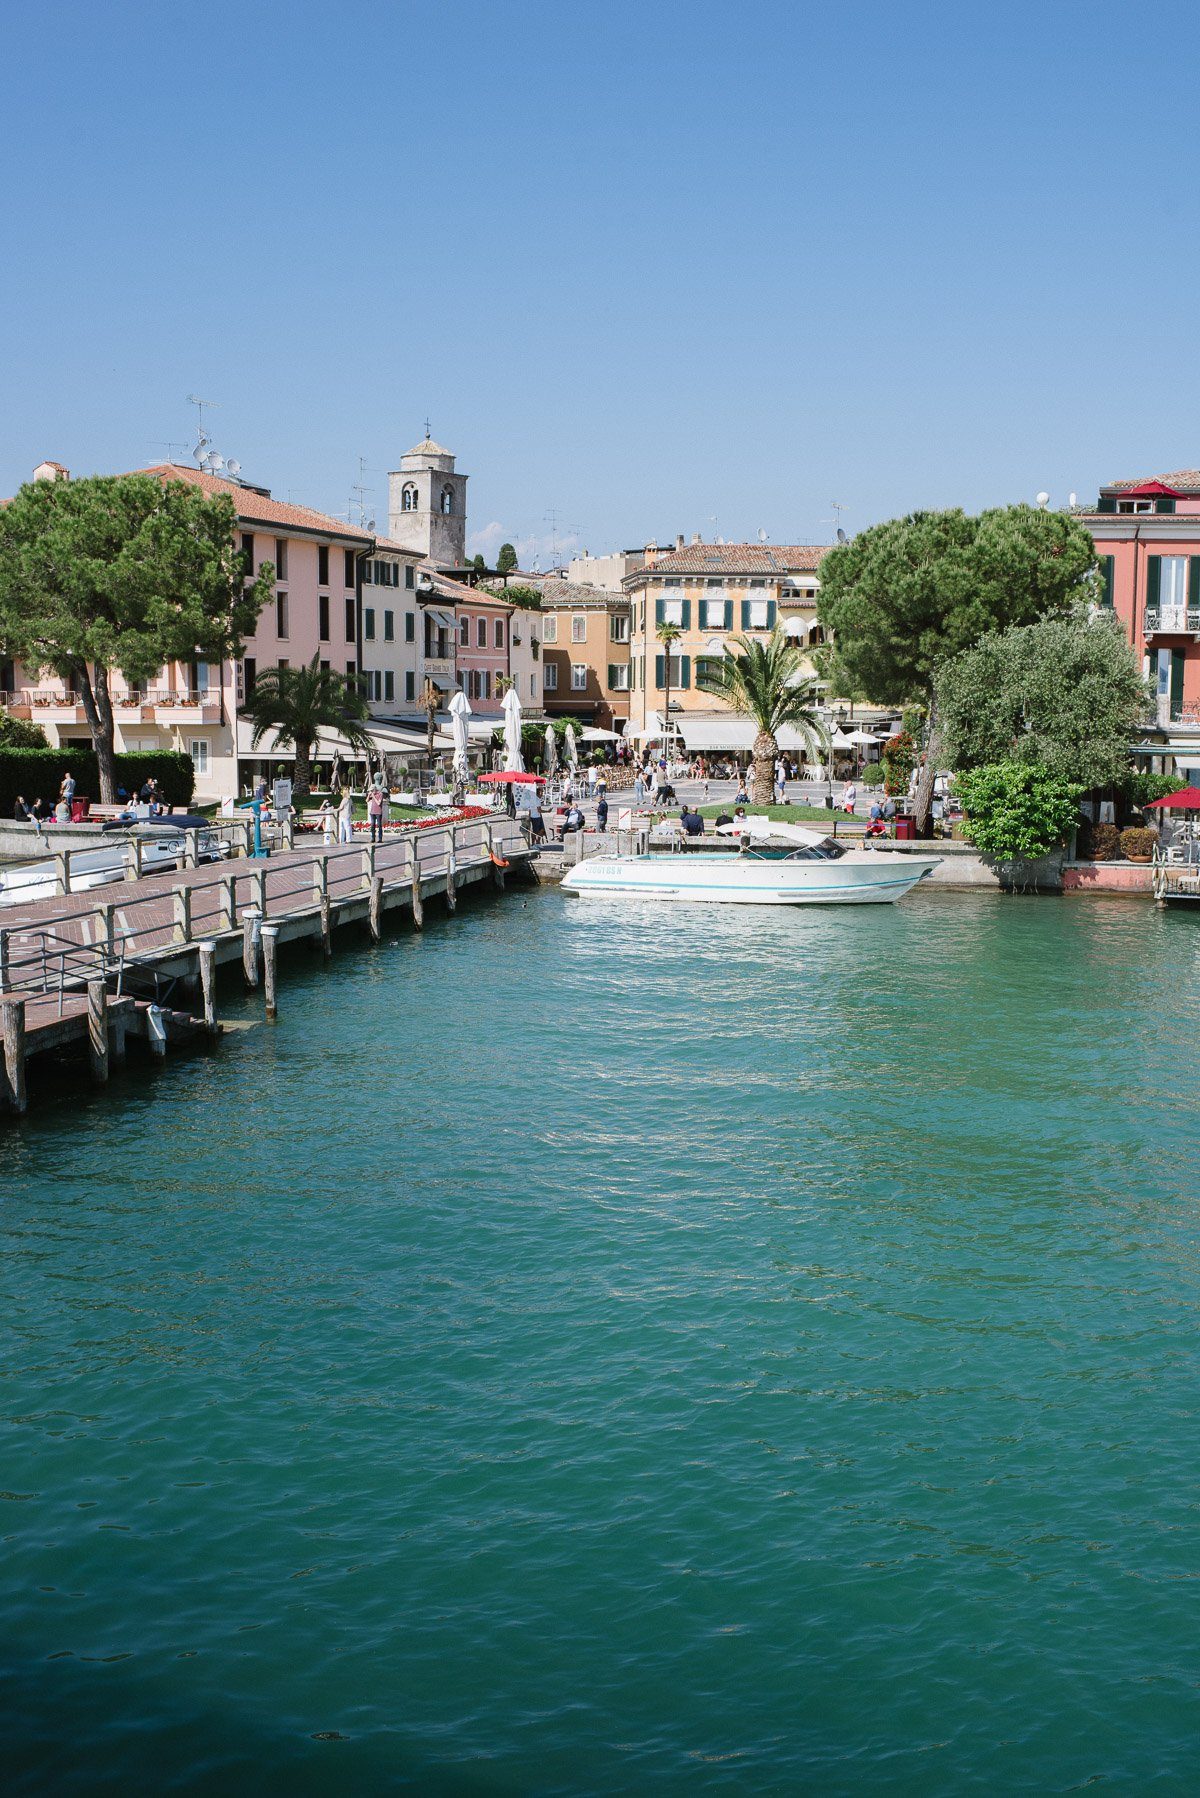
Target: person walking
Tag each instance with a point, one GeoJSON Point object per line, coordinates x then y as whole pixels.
{"type": "Point", "coordinates": [328, 820]}
{"type": "Point", "coordinates": [639, 788]}
{"type": "Point", "coordinates": [602, 811]}
{"type": "Point", "coordinates": [849, 797]}
{"type": "Point", "coordinates": [345, 816]}
{"type": "Point", "coordinates": [375, 811]}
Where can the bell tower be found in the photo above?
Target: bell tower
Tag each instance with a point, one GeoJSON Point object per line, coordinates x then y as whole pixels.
{"type": "Point", "coordinates": [427, 504]}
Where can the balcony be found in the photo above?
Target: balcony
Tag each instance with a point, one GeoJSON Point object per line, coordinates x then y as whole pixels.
{"type": "Point", "coordinates": [1172, 621]}
{"type": "Point", "coordinates": [181, 707]}
{"type": "Point", "coordinates": [47, 706]}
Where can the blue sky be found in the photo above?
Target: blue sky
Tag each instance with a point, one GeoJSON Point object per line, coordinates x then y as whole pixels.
{"type": "Point", "coordinates": [648, 265]}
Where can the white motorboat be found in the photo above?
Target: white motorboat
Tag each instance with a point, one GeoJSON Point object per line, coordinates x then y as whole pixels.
{"type": "Point", "coordinates": [163, 846]}
{"type": "Point", "coordinates": [805, 868]}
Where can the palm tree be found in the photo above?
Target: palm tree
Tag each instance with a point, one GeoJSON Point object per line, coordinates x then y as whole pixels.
{"type": "Point", "coordinates": [297, 703]}
{"type": "Point", "coordinates": [667, 635]}
{"type": "Point", "coordinates": [762, 681]}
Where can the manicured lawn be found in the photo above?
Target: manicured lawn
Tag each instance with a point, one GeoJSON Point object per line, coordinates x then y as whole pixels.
{"type": "Point", "coordinates": [784, 814]}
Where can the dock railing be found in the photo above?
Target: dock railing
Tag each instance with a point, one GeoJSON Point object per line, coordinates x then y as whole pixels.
{"type": "Point", "coordinates": [62, 952]}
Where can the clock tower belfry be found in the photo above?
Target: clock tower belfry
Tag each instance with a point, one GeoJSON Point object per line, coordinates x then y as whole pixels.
{"type": "Point", "coordinates": [427, 504]}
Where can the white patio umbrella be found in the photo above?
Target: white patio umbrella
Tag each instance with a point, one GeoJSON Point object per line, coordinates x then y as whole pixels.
{"type": "Point", "coordinates": [550, 757]}
{"type": "Point", "coordinates": [460, 712]}
{"type": "Point", "coordinates": [513, 763]}
{"type": "Point", "coordinates": [572, 748]}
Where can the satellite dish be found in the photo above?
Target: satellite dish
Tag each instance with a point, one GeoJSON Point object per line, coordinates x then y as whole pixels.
{"type": "Point", "coordinates": [1072, 500]}
{"type": "Point", "coordinates": [370, 524]}
{"type": "Point", "coordinates": [201, 447]}
{"type": "Point", "coordinates": [842, 538]}
{"type": "Point", "coordinates": [216, 461]}
{"type": "Point", "coordinates": [762, 536]}
{"type": "Point", "coordinates": [234, 467]}
{"type": "Point", "coordinates": [1043, 500]}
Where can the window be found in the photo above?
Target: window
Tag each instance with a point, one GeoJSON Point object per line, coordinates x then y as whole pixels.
{"type": "Point", "coordinates": [712, 614]}
{"type": "Point", "coordinates": [481, 632]}
{"type": "Point", "coordinates": [672, 610]}
{"type": "Point", "coordinates": [325, 667]}
{"type": "Point", "coordinates": [389, 685]}
{"type": "Point", "coordinates": [1172, 581]}
{"type": "Point", "coordinates": [323, 617]}
{"type": "Point", "coordinates": [248, 550]}
{"type": "Point", "coordinates": [281, 558]}
{"type": "Point", "coordinates": [200, 680]}
{"type": "Point", "coordinates": [618, 677]}
{"type": "Point", "coordinates": [447, 500]}
{"type": "Point", "coordinates": [198, 750]}
{"type": "Point", "coordinates": [410, 576]}
{"type": "Point", "coordinates": [249, 675]}
{"type": "Point", "coordinates": [281, 616]}
{"type": "Point", "coordinates": [499, 633]}
{"type": "Point", "coordinates": [369, 623]}
{"type": "Point", "coordinates": [578, 627]}
{"type": "Point", "coordinates": [348, 566]}
{"type": "Point", "coordinates": [757, 614]}
{"type": "Point", "coordinates": [368, 574]}
{"type": "Point", "coordinates": [486, 678]}
{"type": "Point", "coordinates": [410, 684]}
{"type": "Point", "coordinates": [283, 662]}
{"type": "Point", "coordinates": [579, 676]}
{"type": "Point", "coordinates": [410, 627]}
{"type": "Point", "coordinates": [619, 628]}
{"type": "Point", "coordinates": [389, 627]}
{"type": "Point", "coordinates": [681, 671]}
{"type": "Point", "coordinates": [464, 632]}
{"type": "Point", "coordinates": [550, 678]}
{"type": "Point", "coordinates": [408, 498]}
{"type": "Point", "coordinates": [350, 631]}
{"type": "Point", "coordinates": [322, 565]}
{"type": "Point", "coordinates": [350, 670]}
{"type": "Point", "coordinates": [550, 629]}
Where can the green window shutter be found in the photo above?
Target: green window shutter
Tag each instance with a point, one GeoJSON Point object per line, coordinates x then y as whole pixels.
{"type": "Point", "coordinates": [685, 671]}
{"type": "Point", "coordinates": [658, 611]}
{"type": "Point", "coordinates": [745, 614]}
{"type": "Point", "coordinates": [772, 614]}
{"type": "Point", "coordinates": [1153, 579]}
{"type": "Point", "coordinates": [1107, 563]}
{"type": "Point", "coordinates": [612, 674]}
{"type": "Point", "coordinates": [687, 615]}
{"type": "Point", "coordinates": [1193, 598]}
{"type": "Point", "coordinates": [1176, 685]}
{"type": "Point", "coordinates": [1106, 505]}
{"type": "Point", "coordinates": [1164, 505]}
{"type": "Point", "coordinates": [659, 673]}
{"type": "Point", "coordinates": [728, 614]}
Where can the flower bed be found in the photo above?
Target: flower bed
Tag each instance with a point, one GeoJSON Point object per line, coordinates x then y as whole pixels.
{"type": "Point", "coordinates": [458, 814]}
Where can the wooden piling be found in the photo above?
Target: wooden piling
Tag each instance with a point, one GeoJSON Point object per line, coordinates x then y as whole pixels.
{"type": "Point", "coordinates": [5, 953]}
{"type": "Point", "coordinates": [182, 930]}
{"type": "Point", "coordinates": [418, 909]}
{"type": "Point", "coordinates": [451, 872]}
{"type": "Point", "coordinates": [208, 985]}
{"type": "Point", "coordinates": [270, 934]}
{"type": "Point", "coordinates": [251, 917]}
{"type": "Point", "coordinates": [321, 895]}
{"type": "Point", "coordinates": [12, 1026]}
{"type": "Point", "coordinates": [228, 902]}
{"type": "Point", "coordinates": [156, 1030]}
{"type": "Point", "coordinates": [375, 907]}
{"type": "Point", "coordinates": [97, 1017]}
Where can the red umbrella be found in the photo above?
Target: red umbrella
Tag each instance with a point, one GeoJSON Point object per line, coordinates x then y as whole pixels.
{"type": "Point", "coordinates": [511, 780]}
{"type": "Point", "coordinates": [1186, 800]}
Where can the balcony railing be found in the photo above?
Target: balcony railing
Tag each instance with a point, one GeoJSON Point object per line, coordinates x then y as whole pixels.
{"type": "Point", "coordinates": [1172, 621]}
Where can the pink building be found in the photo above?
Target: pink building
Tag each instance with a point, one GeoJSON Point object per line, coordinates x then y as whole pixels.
{"type": "Point", "coordinates": [1147, 535]}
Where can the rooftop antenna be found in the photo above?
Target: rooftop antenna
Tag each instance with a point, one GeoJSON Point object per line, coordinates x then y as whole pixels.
{"type": "Point", "coordinates": [202, 441]}
{"type": "Point", "coordinates": [360, 489]}
{"type": "Point", "coordinates": [837, 507]}
{"type": "Point", "coordinates": [171, 448]}
{"type": "Point", "coordinates": [573, 530]}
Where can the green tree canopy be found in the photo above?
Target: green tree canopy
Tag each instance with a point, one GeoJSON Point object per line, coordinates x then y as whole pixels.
{"type": "Point", "coordinates": [507, 559]}
{"type": "Point", "coordinates": [121, 572]}
{"type": "Point", "coordinates": [1066, 693]}
{"type": "Point", "coordinates": [1017, 811]}
{"type": "Point", "coordinates": [21, 733]}
{"type": "Point", "coordinates": [298, 703]}
{"type": "Point", "coordinates": [903, 597]}
{"type": "Point", "coordinates": [763, 682]}
{"type": "Point", "coordinates": [528, 597]}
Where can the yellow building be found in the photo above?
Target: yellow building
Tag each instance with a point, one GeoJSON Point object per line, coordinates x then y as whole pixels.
{"type": "Point", "coordinates": [712, 592]}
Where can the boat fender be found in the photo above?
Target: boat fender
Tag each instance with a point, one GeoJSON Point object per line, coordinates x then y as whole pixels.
{"type": "Point", "coordinates": [498, 861]}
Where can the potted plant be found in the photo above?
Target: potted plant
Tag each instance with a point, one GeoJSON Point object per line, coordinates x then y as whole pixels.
{"type": "Point", "coordinates": [1137, 844]}
{"type": "Point", "coordinates": [1106, 843]}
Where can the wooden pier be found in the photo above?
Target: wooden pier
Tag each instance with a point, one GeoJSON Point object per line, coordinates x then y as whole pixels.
{"type": "Point", "coordinates": [138, 960]}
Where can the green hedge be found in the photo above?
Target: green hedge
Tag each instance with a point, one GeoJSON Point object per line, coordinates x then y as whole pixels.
{"type": "Point", "coordinates": [37, 774]}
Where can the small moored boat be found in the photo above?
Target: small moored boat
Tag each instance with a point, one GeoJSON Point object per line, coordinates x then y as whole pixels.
{"type": "Point", "coordinates": [804, 869]}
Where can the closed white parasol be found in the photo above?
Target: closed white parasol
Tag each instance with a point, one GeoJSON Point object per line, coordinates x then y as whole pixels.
{"type": "Point", "coordinates": [460, 712]}
{"type": "Point", "coordinates": [513, 764]}
{"type": "Point", "coordinates": [572, 748]}
{"type": "Point", "coordinates": [550, 757]}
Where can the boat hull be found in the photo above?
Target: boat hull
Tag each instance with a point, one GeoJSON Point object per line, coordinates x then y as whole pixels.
{"type": "Point", "coordinates": [858, 878]}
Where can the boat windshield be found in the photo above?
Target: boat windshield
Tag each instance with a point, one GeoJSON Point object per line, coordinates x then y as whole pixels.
{"type": "Point", "coordinates": [824, 851]}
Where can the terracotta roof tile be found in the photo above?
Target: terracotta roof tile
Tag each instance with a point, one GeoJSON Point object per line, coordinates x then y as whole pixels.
{"type": "Point", "coordinates": [255, 508]}
{"type": "Point", "coordinates": [1183, 477]}
{"type": "Point", "coordinates": [735, 558]}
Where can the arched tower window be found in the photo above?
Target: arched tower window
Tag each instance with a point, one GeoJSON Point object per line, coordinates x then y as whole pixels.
{"type": "Point", "coordinates": [408, 498]}
{"type": "Point", "coordinates": [447, 500]}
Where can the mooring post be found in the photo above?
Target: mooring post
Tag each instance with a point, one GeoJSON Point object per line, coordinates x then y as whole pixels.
{"type": "Point", "coordinates": [97, 1018]}
{"type": "Point", "coordinates": [62, 873]}
{"type": "Point", "coordinates": [375, 907]}
{"type": "Point", "coordinates": [260, 890]}
{"type": "Point", "coordinates": [270, 934]}
{"type": "Point", "coordinates": [12, 1024]}
{"type": "Point", "coordinates": [228, 902]}
{"type": "Point", "coordinates": [418, 910]}
{"type": "Point", "coordinates": [106, 928]}
{"type": "Point", "coordinates": [5, 976]}
{"type": "Point", "coordinates": [451, 871]}
{"type": "Point", "coordinates": [321, 895]}
{"type": "Point", "coordinates": [156, 1030]}
{"type": "Point", "coordinates": [208, 985]}
{"type": "Point", "coordinates": [251, 924]}
{"type": "Point", "coordinates": [133, 866]}
{"type": "Point", "coordinates": [183, 915]}
{"type": "Point", "coordinates": [368, 865]}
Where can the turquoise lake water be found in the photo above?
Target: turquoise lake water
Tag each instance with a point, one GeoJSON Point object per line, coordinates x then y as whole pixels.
{"type": "Point", "coordinates": [587, 1351]}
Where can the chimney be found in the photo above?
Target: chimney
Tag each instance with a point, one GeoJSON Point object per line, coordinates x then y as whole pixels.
{"type": "Point", "coordinates": [51, 471]}
{"type": "Point", "coordinates": [697, 538]}
{"type": "Point", "coordinates": [651, 553]}
{"type": "Point", "coordinates": [679, 541]}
